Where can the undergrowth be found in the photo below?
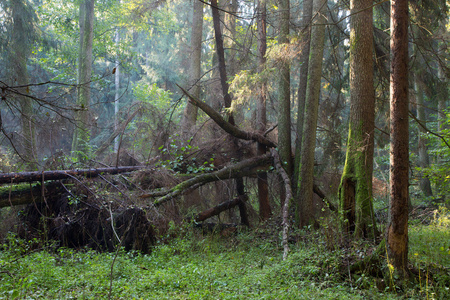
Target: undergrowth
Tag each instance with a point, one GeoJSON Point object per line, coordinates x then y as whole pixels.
{"type": "Point", "coordinates": [248, 265]}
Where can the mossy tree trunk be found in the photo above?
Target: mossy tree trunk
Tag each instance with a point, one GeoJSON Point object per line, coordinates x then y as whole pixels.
{"type": "Point", "coordinates": [305, 199]}
{"type": "Point", "coordinates": [397, 226]}
{"type": "Point", "coordinates": [81, 137]}
{"type": "Point", "coordinates": [355, 191]}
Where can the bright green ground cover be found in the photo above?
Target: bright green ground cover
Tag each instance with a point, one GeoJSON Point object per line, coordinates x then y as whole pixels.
{"type": "Point", "coordinates": [211, 267]}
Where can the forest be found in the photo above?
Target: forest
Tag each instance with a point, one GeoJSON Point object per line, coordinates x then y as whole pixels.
{"type": "Point", "coordinates": [205, 149]}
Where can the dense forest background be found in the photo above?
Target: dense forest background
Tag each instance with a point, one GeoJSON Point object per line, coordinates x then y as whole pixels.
{"type": "Point", "coordinates": [278, 115]}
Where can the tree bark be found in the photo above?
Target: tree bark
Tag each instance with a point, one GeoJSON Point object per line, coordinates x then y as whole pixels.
{"type": "Point", "coordinates": [355, 191]}
{"type": "Point", "coordinates": [81, 138]}
{"type": "Point", "coordinates": [263, 189]}
{"type": "Point", "coordinates": [397, 227]}
{"type": "Point", "coordinates": [305, 206]}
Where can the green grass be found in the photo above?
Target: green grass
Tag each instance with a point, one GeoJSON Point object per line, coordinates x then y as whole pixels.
{"type": "Point", "coordinates": [247, 266]}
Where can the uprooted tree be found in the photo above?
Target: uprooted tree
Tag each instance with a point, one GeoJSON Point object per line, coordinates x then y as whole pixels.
{"type": "Point", "coordinates": [61, 196]}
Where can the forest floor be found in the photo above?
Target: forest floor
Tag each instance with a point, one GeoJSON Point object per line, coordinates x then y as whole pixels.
{"type": "Point", "coordinates": [187, 264]}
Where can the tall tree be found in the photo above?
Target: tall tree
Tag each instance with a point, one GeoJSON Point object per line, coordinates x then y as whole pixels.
{"type": "Point", "coordinates": [226, 96]}
{"type": "Point", "coordinates": [117, 90]}
{"type": "Point", "coordinates": [397, 227]}
{"type": "Point", "coordinates": [263, 189]}
{"type": "Point", "coordinates": [22, 37]}
{"type": "Point", "coordinates": [190, 111]}
{"type": "Point", "coordinates": [81, 138]}
{"type": "Point", "coordinates": [355, 191]}
{"type": "Point", "coordinates": [284, 91]}
{"type": "Point", "coordinates": [303, 81]}
{"type": "Point", "coordinates": [305, 205]}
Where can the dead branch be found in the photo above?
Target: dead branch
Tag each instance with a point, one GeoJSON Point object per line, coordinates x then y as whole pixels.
{"type": "Point", "coordinates": [229, 128]}
{"type": "Point", "coordinates": [214, 211]}
{"type": "Point", "coordinates": [287, 200]}
{"type": "Point", "coordinates": [118, 131]}
{"type": "Point", "coordinates": [322, 196]}
{"type": "Point", "coordinates": [421, 124]}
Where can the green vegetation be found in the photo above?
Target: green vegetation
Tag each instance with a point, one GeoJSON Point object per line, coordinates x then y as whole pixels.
{"type": "Point", "coordinates": [248, 265]}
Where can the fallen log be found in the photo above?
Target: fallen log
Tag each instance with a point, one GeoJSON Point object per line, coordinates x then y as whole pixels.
{"type": "Point", "coordinates": [240, 169]}
{"type": "Point", "coordinates": [25, 194]}
{"type": "Point", "coordinates": [62, 174]}
{"type": "Point", "coordinates": [214, 211]}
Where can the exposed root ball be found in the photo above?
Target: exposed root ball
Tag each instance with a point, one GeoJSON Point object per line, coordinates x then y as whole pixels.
{"type": "Point", "coordinates": [88, 225]}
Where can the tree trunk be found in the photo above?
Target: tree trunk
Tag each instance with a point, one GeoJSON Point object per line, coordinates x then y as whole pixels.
{"type": "Point", "coordinates": [284, 92]}
{"type": "Point", "coordinates": [355, 191]}
{"type": "Point", "coordinates": [424, 159]}
{"type": "Point", "coordinates": [397, 227]}
{"type": "Point", "coordinates": [227, 97]}
{"type": "Point", "coordinates": [117, 91]}
{"type": "Point", "coordinates": [305, 205]}
{"type": "Point", "coordinates": [263, 189]}
{"type": "Point", "coordinates": [81, 138]}
{"type": "Point", "coordinates": [190, 111]}
{"type": "Point", "coordinates": [304, 62]}
{"type": "Point", "coordinates": [21, 49]}
{"type": "Point", "coordinates": [229, 32]}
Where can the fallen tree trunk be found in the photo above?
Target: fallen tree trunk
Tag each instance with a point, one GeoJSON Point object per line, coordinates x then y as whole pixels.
{"type": "Point", "coordinates": [227, 126]}
{"type": "Point", "coordinates": [214, 211]}
{"type": "Point", "coordinates": [26, 194]}
{"type": "Point", "coordinates": [241, 169]}
{"type": "Point", "coordinates": [62, 174]}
